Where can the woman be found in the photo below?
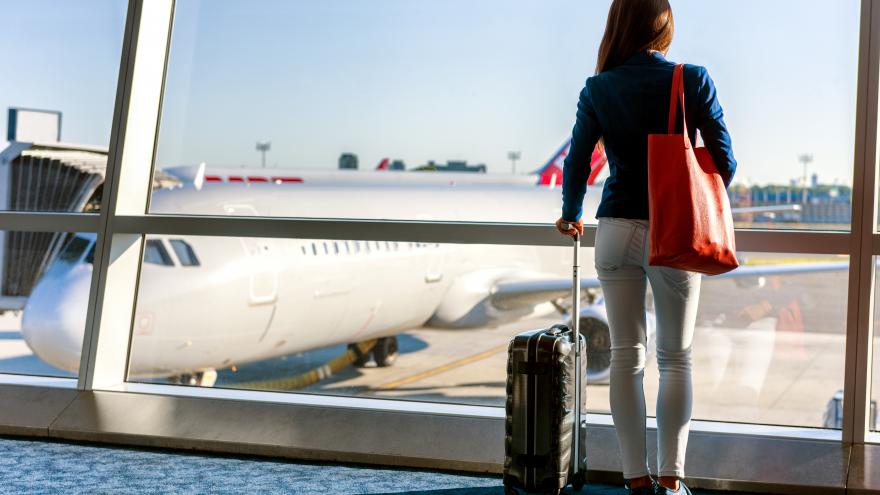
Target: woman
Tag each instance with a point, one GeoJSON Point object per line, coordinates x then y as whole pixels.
{"type": "Point", "coordinates": [626, 100]}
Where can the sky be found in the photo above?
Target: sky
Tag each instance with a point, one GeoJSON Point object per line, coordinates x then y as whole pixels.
{"type": "Point", "coordinates": [435, 80]}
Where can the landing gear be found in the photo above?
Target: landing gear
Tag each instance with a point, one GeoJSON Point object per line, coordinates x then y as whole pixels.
{"type": "Point", "coordinates": [360, 358]}
{"type": "Point", "coordinates": [204, 378]}
{"type": "Point", "coordinates": [384, 353]}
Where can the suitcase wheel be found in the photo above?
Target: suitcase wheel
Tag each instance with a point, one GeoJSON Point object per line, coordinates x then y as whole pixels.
{"type": "Point", "coordinates": [578, 481]}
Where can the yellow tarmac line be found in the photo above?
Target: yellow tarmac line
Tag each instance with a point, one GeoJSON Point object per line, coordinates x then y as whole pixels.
{"type": "Point", "coordinates": [442, 369]}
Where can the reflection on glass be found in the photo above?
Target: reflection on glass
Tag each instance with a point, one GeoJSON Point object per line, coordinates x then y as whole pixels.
{"type": "Point", "coordinates": [457, 110]}
{"type": "Point", "coordinates": [57, 95]}
{"type": "Point", "coordinates": [431, 322]}
{"type": "Point", "coordinates": [44, 292]}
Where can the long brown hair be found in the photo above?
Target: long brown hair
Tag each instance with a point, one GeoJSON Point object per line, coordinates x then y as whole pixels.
{"type": "Point", "coordinates": [635, 26]}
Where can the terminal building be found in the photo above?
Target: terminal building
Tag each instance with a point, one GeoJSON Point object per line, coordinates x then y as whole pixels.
{"type": "Point", "coordinates": [176, 317]}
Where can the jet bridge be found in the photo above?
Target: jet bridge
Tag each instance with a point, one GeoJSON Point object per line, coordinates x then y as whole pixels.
{"type": "Point", "coordinates": [56, 177]}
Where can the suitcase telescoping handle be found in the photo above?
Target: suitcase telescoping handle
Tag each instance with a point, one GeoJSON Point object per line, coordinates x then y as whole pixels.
{"type": "Point", "coordinates": [575, 286]}
{"type": "Point", "coordinates": [575, 334]}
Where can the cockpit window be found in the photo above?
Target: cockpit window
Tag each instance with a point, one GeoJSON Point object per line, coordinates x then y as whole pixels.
{"type": "Point", "coordinates": [155, 253]}
{"type": "Point", "coordinates": [90, 256]}
{"type": "Point", "coordinates": [74, 249]}
{"type": "Point", "coordinates": [184, 252]}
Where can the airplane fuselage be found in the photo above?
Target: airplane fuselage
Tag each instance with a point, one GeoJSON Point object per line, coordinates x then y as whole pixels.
{"type": "Point", "coordinates": [250, 299]}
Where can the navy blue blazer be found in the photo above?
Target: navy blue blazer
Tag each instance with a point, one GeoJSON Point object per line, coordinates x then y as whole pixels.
{"type": "Point", "coordinates": [623, 105]}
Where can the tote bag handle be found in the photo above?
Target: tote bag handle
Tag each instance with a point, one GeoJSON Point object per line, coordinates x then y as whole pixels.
{"type": "Point", "coordinates": [678, 90]}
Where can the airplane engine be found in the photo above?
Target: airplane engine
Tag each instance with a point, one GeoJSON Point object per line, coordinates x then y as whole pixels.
{"type": "Point", "coordinates": [595, 329]}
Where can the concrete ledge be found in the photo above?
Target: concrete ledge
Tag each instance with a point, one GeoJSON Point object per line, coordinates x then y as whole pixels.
{"type": "Point", "coordinates": [720, 461]}
{"type": "Point", "coordinates": [864, 473]}
{"type": "Point", "coordinates": [283, 430]}
{"type": "Point", "coordinates": [29, 411]}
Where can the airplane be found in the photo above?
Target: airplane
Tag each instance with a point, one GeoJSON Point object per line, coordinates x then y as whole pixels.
{"type": "Point", "coordinates": [209, 303]}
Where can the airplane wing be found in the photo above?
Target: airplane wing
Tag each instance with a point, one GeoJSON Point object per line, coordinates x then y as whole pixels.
{"type": "Point", "coordinates": [512, 294]}
{"type": "Point", "coordinates": [784, 269]}
{"type": "Point", "coordinates": [520, 293]}
{"type": "Point", "coordinates": [765, 209]}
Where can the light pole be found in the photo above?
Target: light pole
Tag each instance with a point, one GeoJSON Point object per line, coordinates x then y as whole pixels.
{"type": "Point", "coordinates": [263, 148]}
{"type": "Point", "coordinates": [805, 159]}
{"type": "Point", "coordinates": [513, 156]}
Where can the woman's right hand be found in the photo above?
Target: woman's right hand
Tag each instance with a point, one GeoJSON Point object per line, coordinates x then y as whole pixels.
{"type": "Point", "coordinates": [562, 226]}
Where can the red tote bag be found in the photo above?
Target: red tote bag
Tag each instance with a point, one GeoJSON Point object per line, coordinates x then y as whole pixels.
{"type": "Point", "coordinates": [691, 225]}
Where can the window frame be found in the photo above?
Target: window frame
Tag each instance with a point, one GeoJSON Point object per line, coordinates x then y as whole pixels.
{"type": "Point", "coordinates": [123, 223]}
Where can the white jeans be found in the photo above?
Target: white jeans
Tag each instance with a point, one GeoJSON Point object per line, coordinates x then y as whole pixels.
{"type": "Point", "coordinates": [622, 264]}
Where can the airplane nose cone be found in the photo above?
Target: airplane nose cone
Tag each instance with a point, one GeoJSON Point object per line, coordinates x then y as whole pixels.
{"type": "Point", "coordinates": [53, 321]}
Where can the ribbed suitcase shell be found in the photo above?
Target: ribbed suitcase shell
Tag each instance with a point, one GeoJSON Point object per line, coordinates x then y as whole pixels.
{"type": "Point", "coordinates": [540, 408]}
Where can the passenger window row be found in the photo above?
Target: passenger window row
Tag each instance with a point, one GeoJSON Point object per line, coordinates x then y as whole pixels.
{"type": "Point", "coordinates": [357, 247]}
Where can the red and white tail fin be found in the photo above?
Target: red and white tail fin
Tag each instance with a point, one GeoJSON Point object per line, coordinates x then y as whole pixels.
{"type": "Point", "coordinates": [551, 173]}
{"type": "Point", "coordinates": [598, 164]}
{"type": "Point", "coordinates": [383, 165]}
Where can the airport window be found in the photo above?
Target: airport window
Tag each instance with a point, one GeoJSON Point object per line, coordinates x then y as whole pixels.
{"type": "Point", "coordinates": [874, 378]}
{"type": "Point", "coordinates": [768, 348]}
{"type": "Point", "coordinates": [44, 294]}
{"type": "Point", "coordinates": [797, 178]}
{"type": "Point", "coordinates": [58, 135]}
{"type": "Point", "coordinates": [155, 253]}
{"type": "Point", "coordinates": [770, 345]}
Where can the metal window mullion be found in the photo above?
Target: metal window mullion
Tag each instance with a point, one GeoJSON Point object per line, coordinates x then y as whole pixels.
{"type": "Point", "coordinates": [861, 274]}
{"type": "Point", "coordinates": [875, 244]}
{"type": "Point", "coordinates": [49, 221]}
{"type": "Point", "coordinates": [444, 232]}
{"type": "Point", "coordinates": [126, 188]}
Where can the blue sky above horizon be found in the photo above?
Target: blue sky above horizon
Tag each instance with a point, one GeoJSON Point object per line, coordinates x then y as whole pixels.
{"type": "Point", "coordinates": [450, 79]}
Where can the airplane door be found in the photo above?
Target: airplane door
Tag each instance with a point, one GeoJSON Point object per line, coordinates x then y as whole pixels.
{"type": "Point", "coordinates": [263, 285]}
{"type": "Point", "coordinates": [434, 269]}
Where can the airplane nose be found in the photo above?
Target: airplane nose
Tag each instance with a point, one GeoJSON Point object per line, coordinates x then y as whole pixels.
{"type": "Point", "coordinates": [54, 317]}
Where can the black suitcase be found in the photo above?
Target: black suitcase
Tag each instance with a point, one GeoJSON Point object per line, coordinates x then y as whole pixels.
{"type": "Point", "coordinates": [545, 426]}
